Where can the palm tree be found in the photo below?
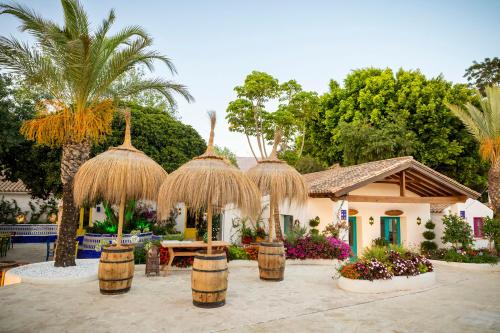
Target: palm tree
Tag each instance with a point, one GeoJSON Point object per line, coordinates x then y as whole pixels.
{"type": "Point", "coordinates": [77, 68]}
{"type": "Point", "coordinates": [484, 125]}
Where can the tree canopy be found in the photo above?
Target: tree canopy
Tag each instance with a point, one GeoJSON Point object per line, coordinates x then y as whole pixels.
{"type": "Point", "coordinates": [165, 139]}
{"type": "Point", "coordinates": [381, 114]}
{"type": "Point", "coordinates": [483, 74]}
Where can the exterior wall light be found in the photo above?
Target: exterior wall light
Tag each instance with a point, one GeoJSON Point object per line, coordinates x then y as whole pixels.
{"type": "Point", "coordinates": [371, 220]}
{"type": "Point", "coordinates": [419, 221]}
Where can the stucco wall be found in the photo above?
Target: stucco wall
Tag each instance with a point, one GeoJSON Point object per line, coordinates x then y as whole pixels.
{"type": "Point", "coordinates": [473, 208]}
{"type": "Point", "coordinates": [22, 200]}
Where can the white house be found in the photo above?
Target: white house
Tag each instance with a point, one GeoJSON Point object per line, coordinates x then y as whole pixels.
{"type": "Point", "coordinates": [390, 198]}
{"type": "Point", "coordinates": [471, 210]}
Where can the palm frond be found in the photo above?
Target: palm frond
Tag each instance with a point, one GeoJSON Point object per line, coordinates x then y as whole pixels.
{"type": "Point", "coordinates": [484, 123]}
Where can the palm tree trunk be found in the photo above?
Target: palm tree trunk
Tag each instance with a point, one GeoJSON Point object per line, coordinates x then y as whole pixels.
{"type": "Point", "coordinates": [73, 156]}
{"type": "Point", "coordinates": [277, 224]}
{"type": "Point", "coordinates": [494, 188]}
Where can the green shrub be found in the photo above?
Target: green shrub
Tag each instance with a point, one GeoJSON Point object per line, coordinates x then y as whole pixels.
{"type": "Point", "coordinates": [427, 246]}
{"type": "Point", "coordinates": [491, 230]}
{"type": "Point", "coordinates": [139, 255]}
{"type": "Point", "coordinates": [430, 225]}
{"type": "Point", "coordinates": [380, 242]}
{"type": "Point", "coordinates": [429, 235]}
{"type": "Point", "coordinates": [179, 236]}
{"type": "Point", "coordinates": [399, 249]}
{"type": "Point", "coordinates": [375, 252]}
{"type": "Point", "coordinates": [296, 233]}
{"type": "Point", "coordinates": [457, 231]}
{"type": "Point", "coordinates": [313, 223]}
{"type": "Point", "coordinates": [237, 253]}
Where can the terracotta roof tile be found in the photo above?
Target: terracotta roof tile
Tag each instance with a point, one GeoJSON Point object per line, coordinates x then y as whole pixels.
{"type": "Point", "coordinates": [338, 178]}
{"type": "Point", "coordinates": [12, 187]}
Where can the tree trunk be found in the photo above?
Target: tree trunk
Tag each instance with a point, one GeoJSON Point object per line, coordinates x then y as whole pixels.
{"type": "Point", "coordinates": [494, 188]}
{"type": "Point", "coordinates": [277, 224]}
{"type": "Point", "coordinates": [73, 156]}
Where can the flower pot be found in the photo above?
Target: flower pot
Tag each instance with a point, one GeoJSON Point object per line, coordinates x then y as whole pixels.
{"type": "Point", "coordinates": [271, 261]}
{"type": "Point", "coordinates": [116, 269]}
{"type": "Point", "coordinates": [209, 279]}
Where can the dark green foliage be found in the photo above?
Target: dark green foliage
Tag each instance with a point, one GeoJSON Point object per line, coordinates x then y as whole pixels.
{"type": "Point", "coordinates": [457, 231]}
{"type": "Point", "coordinates": [430, 225]}
{"type": "Point", "coordinates": [380, 242]}
{"type": "Point", "coordinates": [160, 136]}
{"type": "Point", "coordinates": [139, 255]}
{"type": "Point", "coordinates": [381, 114]}
{"type": "Point", "coordinates": [9, 210]}
{"type": "Point", "coordinates": [470, 256]}
{"type": "Point", "coordinates": [483, 74]}
{"type": "Point", "coordinates": [429, 235]}
{"type": "Point", "coordinates": [42, 210]}
{"type": "Point", "coordinates": [37, 166]}
{"type": "Point", "coordinates": [237, 253]}
{"type": "Point", "coordinates": [201, 227]}
{"type": "Point", "coordinates": [428, 245]}
{"type": "Point", "coordinates": [313, 223]}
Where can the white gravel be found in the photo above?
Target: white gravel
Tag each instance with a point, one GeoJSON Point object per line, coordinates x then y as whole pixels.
{"type": "Point", "coordinates": [46, 273]}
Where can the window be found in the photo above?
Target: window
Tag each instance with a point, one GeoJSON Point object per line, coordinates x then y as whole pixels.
{"type": "Point", "coordinates": [478, 227]}
{"type": "Point", "coordinates": [287, 223]}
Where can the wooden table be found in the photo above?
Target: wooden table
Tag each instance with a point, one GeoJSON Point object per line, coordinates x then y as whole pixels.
{"type": "Point", "coordinates": [174, 247]}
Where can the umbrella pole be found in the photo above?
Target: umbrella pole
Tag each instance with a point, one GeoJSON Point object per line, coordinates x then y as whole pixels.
{"type": "Point", "coordinates": [120, 220]}
{"type": "Point", "coordinates": [209, 228]}
{"type": "Point", "coordinates": [271, 217]}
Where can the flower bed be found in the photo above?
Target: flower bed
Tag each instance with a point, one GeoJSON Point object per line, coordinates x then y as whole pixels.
{"type": "Point", "coordinates": [385, 263]}
{"type": "Point", "coordinates": [318, 247]}
{"type": "Point", "coordinates": [469, 256]}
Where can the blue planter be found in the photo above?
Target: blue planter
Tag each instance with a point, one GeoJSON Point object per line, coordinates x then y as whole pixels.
{"type": "Point", "coordinates": [87, 249]}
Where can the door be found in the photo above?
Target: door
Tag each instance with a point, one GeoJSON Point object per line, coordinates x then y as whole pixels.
{"type": "Point", "coordinates": [190, 226]}
{"type": "Point", "coordinates": [353, 239]}
{"type": "Point", "coordinates": [390, 229]}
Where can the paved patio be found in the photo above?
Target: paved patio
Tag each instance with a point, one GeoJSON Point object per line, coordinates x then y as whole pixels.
{"type": "Point", "coordinates": [307, 300]}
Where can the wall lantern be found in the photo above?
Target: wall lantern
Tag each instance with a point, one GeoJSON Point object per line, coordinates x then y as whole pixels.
{"type": "Point", "coordinates": [179, 210]}
{"type": "Point", "coordinates": [419, 221]}
{"type": "Point", "coordinates": [371, 220]}
{"type": "Point", "coordinates": [21, 218]}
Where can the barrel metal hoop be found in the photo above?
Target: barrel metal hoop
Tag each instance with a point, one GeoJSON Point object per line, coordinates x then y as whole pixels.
{"type": "Point", "coordinates": [272, 269]}
{"type": "Point", "coordinates": [271, 279]}
{"type": "Point", "coordinates": [210, 258]}
{"type": "Point", "coordinates": [271, 244]}
{"type": "Point", "coordinates": [115, 280]}
{"type": "Point", "coordinates": [114, 291]}
{"type": "Point", "coordinates": [115, 262]}
{"type": "Point", "coordinates": [272, 254]}
{"type": "Point", "coordinates": [209, 270]}
{"type": "Point", "coordinates": [209, 292]}
{"type": "Point", "coordinates": [109, 250]}
{"type": "Point", "coordinates": [209, 305]}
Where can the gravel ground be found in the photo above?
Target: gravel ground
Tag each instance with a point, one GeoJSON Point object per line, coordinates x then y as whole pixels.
{"type": "Point", "coordinates": [84, 268]}
{"type": "Point", "coordinates": [306, 301]}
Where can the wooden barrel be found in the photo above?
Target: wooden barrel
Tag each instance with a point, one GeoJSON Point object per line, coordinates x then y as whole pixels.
{"type": "Point", "coordinates": [116, 269]}
{"type": "Point", "coordinates": [271, 261]}
{"type": "Point", "coordinates": [209, 279]}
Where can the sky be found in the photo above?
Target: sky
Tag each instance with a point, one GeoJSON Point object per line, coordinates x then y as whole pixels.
{"type": "Point", "coordinates": [215, 44]}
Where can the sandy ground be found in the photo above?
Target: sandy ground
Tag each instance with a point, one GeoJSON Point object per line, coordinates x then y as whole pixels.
{"type": "Point", "coordinates": [308, 300]}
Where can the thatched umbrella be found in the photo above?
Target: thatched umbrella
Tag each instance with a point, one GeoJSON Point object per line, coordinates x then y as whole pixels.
{"type": "Point", "coordinates": [119, 174]}
{"type": "Point", "coordinates": [208, 182]}
{"type": "Point", "coordinates": [278, 180]}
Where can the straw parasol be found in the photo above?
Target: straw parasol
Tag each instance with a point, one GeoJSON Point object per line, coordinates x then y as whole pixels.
{"type": "Point", "coordinates": [119, 174]}
{"type": "Point", "coordinates": [208, 182]}
{"type": "Point", "coordinates": [278, 180]}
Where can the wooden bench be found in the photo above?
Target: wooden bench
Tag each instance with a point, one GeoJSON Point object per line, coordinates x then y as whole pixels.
{"type": "Point", "coordinates": [178, 249]}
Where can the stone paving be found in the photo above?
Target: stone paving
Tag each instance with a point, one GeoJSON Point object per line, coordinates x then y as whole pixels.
{"type": "Point", "coordinates": [307, 301]}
